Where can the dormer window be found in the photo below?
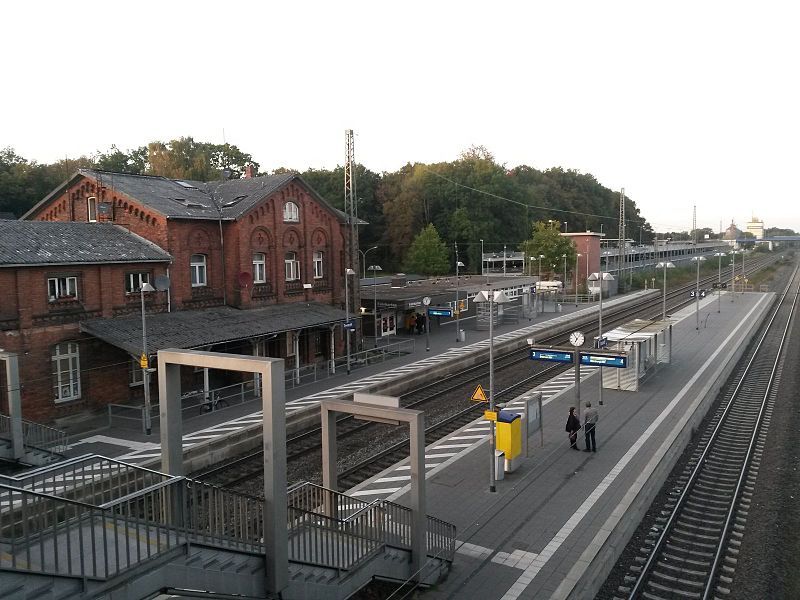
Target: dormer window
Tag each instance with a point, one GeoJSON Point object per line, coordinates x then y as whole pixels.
{"type": "Point", "coordinates": [91, 209]}
{"type": "Point", "coordinates": [291, 214]}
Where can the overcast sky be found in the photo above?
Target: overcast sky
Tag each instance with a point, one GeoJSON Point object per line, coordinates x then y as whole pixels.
{"type": "Point", "coordinates": [680, 103]}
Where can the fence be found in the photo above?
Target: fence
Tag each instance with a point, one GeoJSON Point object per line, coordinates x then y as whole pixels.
{"type": "Point", "coordinates": [36, 436]}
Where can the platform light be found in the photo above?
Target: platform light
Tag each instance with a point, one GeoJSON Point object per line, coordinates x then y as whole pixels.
{"type": "Point", "coordinates": [664, 265]}
{"type": "Point", "coordinates": [698, 260]}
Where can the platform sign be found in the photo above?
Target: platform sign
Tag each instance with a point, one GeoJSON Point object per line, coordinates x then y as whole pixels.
{"type": "Point", "coordinates": [490, 415]}
{"type": "Point", "coordinates": [439, 311]}
{"type": "Point", "coordinates": [143, 362]}
{"type": "Point", "coordinates": [479, 395]}
{"type": "Point", "coordinates": [619, 361]}
{"type": "Point", "coordinates": [551, 355]}
{"type": "Point", "coordinates": [350, 325]}
{"type": "Point", "coordinates": [601, 342]}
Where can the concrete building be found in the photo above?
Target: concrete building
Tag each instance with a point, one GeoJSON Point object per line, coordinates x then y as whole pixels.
{"type": "Point", "coordinates": [756, 227]}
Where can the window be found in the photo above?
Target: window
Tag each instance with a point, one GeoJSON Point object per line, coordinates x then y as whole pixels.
{"type": "Point", "coordinates": [59, 288]}
{"type": "Point", "coordinates": [318, 265]}
{"type": "Point", "coordinates": [134, 282]}
{"type": "Point", "coordinates": [292, 266]}
{"type": "Point", "coordinates": [66, 372]}
{"type": "Point", "coordinates": [137, 377]}
{"type": "Point", "coordinates": [198, 270]}
{"type": "Point", "coordinates": [291, 213]}
{"type": "Point", "coordinates": [91, 209]}
{"type": "Point", "coordinates": [259, 268]}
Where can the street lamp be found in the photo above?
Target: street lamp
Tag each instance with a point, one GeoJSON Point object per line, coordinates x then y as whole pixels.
{"type": "Point", "coordinates": [698, 259]}
{"type": "Point", "coordinates": [144, 362]}
{"type": "Point", "coordinates": [719, 256]}
{"type": "Point", "coordinates": [564, 286]}
{"type": "Point", "coordinates": [733, 274]}
{"type": "Point", "coordinates": [665, 265]}
{"type": "Point", "coordinates": [744, 275]}
{"type": "Point", "coordinates": [576, 277]}
{"type": "Point", "coordinates": [347, 274]}
{"type": "Point", "coordinates": [504, 260]}
{"type": "Point", "coordinates": [458, 308]}
{"type": "Point", "coordinates": [364, 258]}
{"type": "Point", "coordinates": [375, 269]}
{"type": "Point", "coordinates": [565, 227]}
{"type": "Point", "coordinates": [483, 272]}
{"type": "Point", "coordinates": [491, 297]}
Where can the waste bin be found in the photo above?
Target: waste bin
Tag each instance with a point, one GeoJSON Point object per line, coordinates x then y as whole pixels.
{"type": "Point", "coordinates": [509, 438]}
{"type": "Point", "coordinates": [558, 307]}
{"type": "Point", "coordinates": [499, 464]}
{"type": "Point", "coordinates": [462, 335]}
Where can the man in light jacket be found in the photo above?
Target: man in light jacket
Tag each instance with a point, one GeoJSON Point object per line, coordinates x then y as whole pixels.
{"type": "Point", "coordinates": [590, 418]}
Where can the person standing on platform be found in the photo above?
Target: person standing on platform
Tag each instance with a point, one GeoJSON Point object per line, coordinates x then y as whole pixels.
{"type": "Point", "coordinates": [573, 426]}
{"type": "Point", "coordinates": [412, 323]}
{"type": "Point", "coordinates": [589, 425]}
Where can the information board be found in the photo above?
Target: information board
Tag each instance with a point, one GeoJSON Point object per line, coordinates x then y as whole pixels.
{"type": "Point", "coordinates": [437, 311]}
{"type": "Point", "coordinates": [551, 355]}
{"type": "Point", "coordinates": [604, 360]}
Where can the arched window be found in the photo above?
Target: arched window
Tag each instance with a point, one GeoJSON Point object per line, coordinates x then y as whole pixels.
{"type": "Point", "coordinates": [91, 209]}
{"type": "Point", "coordinates": [318, 269]}
{"type": "Point", "coordinates": [291, 214]}
{"type": "Point", "coordinates": [65, 359]}
{"type": "Point", "coordinates": [198, 270]}
{"type": "Point", "coordinates": [292, 266]}
{"type": "Point", "coordinates": [259, 267]}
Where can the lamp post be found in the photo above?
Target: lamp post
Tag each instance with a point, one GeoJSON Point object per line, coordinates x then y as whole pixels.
{"type": "Point", "coordinates": [145, 362]}
{"type": "Point", "coordinates": [719, 256]}
{"type": "Point", "coordinates": [565, 227]}
{"type": "Point", "coordinates": [564, 287]}
{"type": "Point", "coordinates": [733, 275]}
{"type": "Point", "coordinates": [504, 260]}
{"type": "Point", "coordinates": [744, 275]}
{"type": "Point", "coordinates": [483, 271]}
{"type": "Point", "coordinates": [697, 259]}
{"type": "Point", "coordinates": [364, 258]}
{"type": "Point", "coordinates": [601, 277]}
{"type": "Point", "coordinates": [375, 269]}
{"type": "Point", "coordinates": [578, 255]}
{"type": "Point", "coordinates": [347, 274]}
{"type": "Point", "coordinates": [664, 265]}
{"type": "Point", "coordinates": [458, 308]}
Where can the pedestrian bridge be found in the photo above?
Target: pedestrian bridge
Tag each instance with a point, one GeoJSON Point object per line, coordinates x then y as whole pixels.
{"type": "Point", "coordinates": [95, 527]}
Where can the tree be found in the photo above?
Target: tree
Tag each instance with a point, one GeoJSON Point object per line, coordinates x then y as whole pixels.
{"type": "Point", "coordinates": [428, 254]}
{"type": "Point", "coordinates": [185, 158]}
{"type": "Point", "coordinates": [546, 240]}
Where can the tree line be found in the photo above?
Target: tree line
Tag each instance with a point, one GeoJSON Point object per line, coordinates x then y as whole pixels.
{"type": "Point", "coordinates": [462, 202]}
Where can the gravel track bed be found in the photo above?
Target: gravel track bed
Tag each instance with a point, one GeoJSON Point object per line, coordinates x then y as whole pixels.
{"type": "Point", "coordinates": [769, 563]}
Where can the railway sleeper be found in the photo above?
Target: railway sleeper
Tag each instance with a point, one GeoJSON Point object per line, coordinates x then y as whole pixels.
{"type": "Point", "coordinates": [708, 555]}
{"type": "Point", "coordinates": [670, 592]}
{"type": "Point", "coordinates": [666, 578]}
{"type": "Point", "coordinates": [682, 523]}
{"type": "Point", "coordinates": [681, 570]}
{"type": "Point", "coordinates": [705, 512]}
{"type": "Point", "coordinates": [687, 560]}
{"type": "Point", "coordinates": [693, 540]}
{"type": "Point", "coordinates": [704, 519]}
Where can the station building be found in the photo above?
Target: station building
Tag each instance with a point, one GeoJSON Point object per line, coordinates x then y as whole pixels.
{"type": "Point", "coordinates": [254, 265]}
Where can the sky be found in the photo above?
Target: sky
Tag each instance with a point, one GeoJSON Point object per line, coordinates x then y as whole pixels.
{"type": "Point", "coordinates": [679, 103]}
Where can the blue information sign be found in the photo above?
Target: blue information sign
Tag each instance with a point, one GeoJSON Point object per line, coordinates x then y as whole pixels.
{"type": "Point", "coordinates": [552, 356]}
{"type": "Point", "coordinates": [350, 325]}
{"type": "Point", "coordinates": [440, 312]}
{"type": "Point", "coordinates": [604, 360]}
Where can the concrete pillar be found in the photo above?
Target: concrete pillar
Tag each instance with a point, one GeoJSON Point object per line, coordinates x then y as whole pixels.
{"type": "Point", "coordinates": [170, 417]}
{"type": "Point", "coordinates": [14, 403]}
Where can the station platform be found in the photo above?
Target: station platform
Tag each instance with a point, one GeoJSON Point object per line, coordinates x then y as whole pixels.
{"type": "Point", "coordinates": [555, 527]}
{"type": "Point", "coordinates": [131, 445]}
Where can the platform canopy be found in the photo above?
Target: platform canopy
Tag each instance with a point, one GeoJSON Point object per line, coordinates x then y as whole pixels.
{"type": "Point", "coordinates": [187, 329]}
{"type": "Point", "coordinates": [637, 330]}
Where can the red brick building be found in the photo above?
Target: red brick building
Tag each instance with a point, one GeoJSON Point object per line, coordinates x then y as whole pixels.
{"type": "Point", "coordinates": [255, 265]}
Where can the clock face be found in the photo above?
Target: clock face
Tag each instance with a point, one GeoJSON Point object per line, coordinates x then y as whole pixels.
{"type": "Point", "coordinates": [576, 338]}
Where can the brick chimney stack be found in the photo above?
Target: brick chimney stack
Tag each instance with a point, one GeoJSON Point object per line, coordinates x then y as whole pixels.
{"type": "Point", "coordinates": [249, 172]}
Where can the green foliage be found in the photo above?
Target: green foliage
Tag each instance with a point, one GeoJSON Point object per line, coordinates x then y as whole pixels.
{"type": "Point", "coordinates": [200, 161]}
{"type": "Point", "coordinates": [428, 254]}
{"type": "Point", "coordinates": [546, 240]}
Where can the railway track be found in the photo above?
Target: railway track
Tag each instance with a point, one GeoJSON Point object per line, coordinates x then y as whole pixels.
{"type": "Point", "coordinates": [512, 370]}
{"type": "Point", "coordinates": [692, 550]}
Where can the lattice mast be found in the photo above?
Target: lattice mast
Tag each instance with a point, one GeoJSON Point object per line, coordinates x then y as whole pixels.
{"type": "Point", "coordinates": [694, 227]}
{"type": "Point", "coordinates": [621, 273]}
{"type": "Point", "coordinates": [351, 210]}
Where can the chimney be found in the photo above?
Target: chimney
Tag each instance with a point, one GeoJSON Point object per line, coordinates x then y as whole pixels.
{"type": "Point", "coordinates": [249, 172]}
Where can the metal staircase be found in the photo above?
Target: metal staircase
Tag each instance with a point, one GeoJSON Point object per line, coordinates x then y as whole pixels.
{"type": "Point", "coordinates": [94, 527]}
{"type": "Point", "coordinates": [41, 444]}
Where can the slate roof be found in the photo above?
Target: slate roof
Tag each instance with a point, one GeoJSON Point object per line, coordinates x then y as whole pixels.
{"type": "Point", "coordinates": [185, 199]}
{"type": "Point", "coordinates": [30, 243]}
{"type": "Point", "coordinates": [187, 329]}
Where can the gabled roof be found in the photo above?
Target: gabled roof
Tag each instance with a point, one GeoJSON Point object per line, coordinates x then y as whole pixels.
{"type": "Point", "coordinates": [35, 243]}
{"type": "Point", "coordinates": [185, 199]}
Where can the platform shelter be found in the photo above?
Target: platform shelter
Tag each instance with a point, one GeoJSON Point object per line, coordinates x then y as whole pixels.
{"type": "Point", "coordinates": [647, 344]}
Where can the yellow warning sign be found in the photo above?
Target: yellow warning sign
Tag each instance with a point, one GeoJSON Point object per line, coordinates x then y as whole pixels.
{"type": "Point", "coordinates": [479, 395]}
{"type": "Point", "coordinates": [143, 362]}
{"type": "Point", "coordinates": [490, 415]}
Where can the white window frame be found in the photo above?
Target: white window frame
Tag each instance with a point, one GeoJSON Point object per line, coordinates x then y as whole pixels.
{"type": "Point", "coordinates": [59, 288]}
{"type": "Point", "coordinates": [91, 209]}
{"type": "Point", "coordinates": [66, 368]}
{"type": "Point", "coordinates": [291, 212]}
{"type": "Point", "coordinates": [131, 279]}
{"type": "Point", "coordinates": [291, 266]}
{"type": "Point", "coordinates": [318, 264]}
{"type": "Point", "coordinates": [259, 267]}
{"type": "Point", "coordinates": [198, 270]}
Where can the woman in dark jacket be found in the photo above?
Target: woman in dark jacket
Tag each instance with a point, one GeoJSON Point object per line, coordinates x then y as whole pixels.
{"type": "Point", "coordinates": [573, 426]}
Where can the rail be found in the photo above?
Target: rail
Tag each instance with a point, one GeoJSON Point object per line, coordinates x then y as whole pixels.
{"type": "Point", "coordinates": [36, 436]}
